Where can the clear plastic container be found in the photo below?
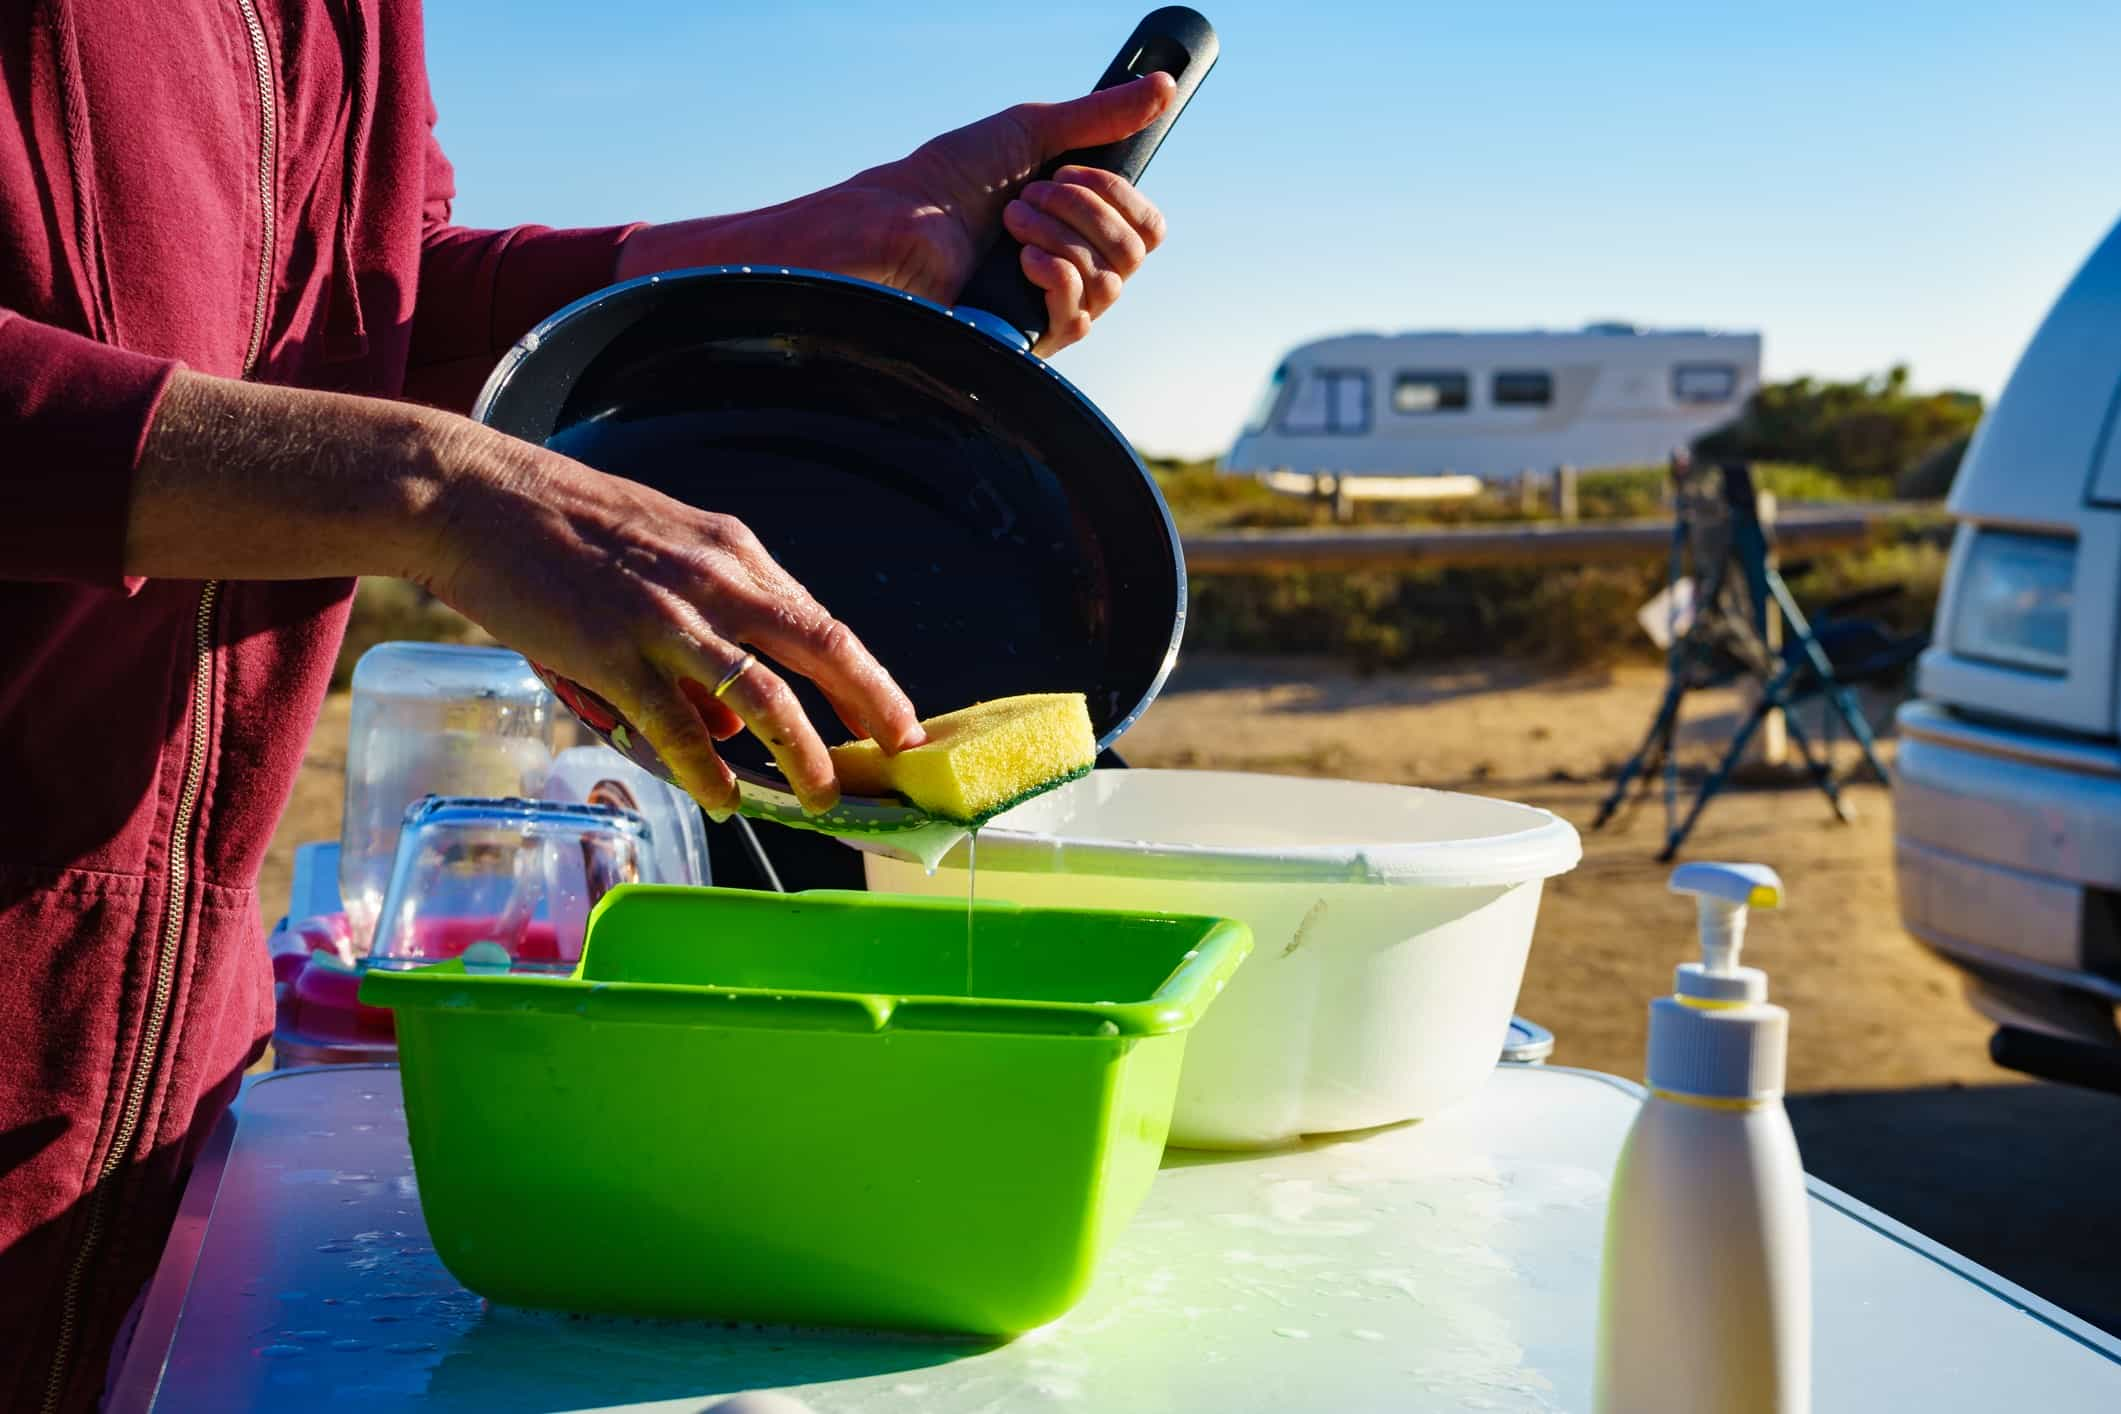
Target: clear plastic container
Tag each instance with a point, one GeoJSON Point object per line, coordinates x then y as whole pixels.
{"type": "Point", "coordinates": [597, 775]}
{"type": "Point", "coordinates": [507, 885]}
{"type": "Point", "coordinates": [432, 719]}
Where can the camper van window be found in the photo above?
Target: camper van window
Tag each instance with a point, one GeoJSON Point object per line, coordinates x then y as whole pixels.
{"type": "Point", "coordinates": [1263, 410]}
{"type": "Point", "coordinates": [1704, 382]}
{"type": "Point", "coordinates": [1522, 388]}
{"type": "Point", "coordinates": [1351, 403]}
{"type": "Point", "coordinates": [1423, 391]}
{"type": "Point", "coordinates": [1329, 400]}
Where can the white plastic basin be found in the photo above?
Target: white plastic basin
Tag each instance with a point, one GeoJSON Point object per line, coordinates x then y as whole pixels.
{"type": "Point", "coordinates": [1391, 924]}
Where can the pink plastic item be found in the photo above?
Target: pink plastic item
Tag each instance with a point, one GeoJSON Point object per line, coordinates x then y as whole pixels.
{"type": "Point", "coordinates": [318, 1016]}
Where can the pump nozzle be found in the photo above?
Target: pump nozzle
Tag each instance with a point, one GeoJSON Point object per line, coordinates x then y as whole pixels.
{"type": "Point", "coordinates": [1723, 893]}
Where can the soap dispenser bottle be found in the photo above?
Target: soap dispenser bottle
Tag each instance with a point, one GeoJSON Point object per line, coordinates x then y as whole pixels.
{"type": "Point", "coordinates": [1705, 1291]}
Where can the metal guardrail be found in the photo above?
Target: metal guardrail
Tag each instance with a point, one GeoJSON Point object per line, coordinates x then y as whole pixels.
{"type": "Point", "coordinates": [1798, 530]}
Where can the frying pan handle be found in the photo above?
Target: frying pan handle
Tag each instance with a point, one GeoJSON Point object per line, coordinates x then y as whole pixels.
{"type": "Point", "coordinates": [1175, 40]}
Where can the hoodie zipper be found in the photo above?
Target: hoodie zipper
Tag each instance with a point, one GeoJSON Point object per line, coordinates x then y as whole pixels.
{"type": "Point", "coordinates": [184, 824]}
{"type": "Point", "coordinates": [268, 146]}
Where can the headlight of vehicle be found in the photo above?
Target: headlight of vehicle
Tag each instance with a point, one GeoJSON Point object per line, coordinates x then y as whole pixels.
{"type": "Point", "coordinates": [2014, 600]}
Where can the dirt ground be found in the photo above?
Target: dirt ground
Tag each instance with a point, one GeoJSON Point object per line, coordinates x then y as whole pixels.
{"type": "Point", "coordinates": [1894, 1097]}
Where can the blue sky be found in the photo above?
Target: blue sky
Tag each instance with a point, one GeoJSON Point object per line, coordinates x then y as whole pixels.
{"type": "Point", "coordinates": [1862, 183]}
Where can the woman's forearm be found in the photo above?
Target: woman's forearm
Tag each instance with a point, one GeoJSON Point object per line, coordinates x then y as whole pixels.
{"type": "Point", "coordinates": [791, 233]}
{"type": "Point", "coordinates": [244, 481]}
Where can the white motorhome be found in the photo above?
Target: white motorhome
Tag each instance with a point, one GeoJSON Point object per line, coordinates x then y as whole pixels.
{"type": "Point", "coordinates": [2007, 794]}
{"type": "Point", "coordinates": [1493, 405]}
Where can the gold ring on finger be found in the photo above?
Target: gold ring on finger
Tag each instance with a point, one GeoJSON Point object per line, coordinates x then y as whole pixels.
{"type": "Point", "coordinates": [743, 666]}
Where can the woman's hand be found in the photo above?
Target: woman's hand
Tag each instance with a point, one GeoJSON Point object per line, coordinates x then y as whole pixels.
{"type": "Point", "coordinates": [649, 603]}
{"type": "Point", "coordinates": [920, 224]}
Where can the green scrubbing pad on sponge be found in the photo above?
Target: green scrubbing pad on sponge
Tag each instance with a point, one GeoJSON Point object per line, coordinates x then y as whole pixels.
{"type": "Point", "coordinates": [979, 761]}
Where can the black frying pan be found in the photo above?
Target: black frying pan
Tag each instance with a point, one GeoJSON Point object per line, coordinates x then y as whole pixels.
{"type": "Point", "coordinates": [974, 518]}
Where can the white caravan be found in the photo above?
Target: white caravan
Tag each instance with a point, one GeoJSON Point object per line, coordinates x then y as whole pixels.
{"type": "Point", "coordinates": [2007, 795]}
{"type": "Point", "coordinates": [1493, 405]}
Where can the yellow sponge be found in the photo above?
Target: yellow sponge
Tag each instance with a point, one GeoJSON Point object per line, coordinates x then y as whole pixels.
{"type": "Point", "coordinates": [981, 760]}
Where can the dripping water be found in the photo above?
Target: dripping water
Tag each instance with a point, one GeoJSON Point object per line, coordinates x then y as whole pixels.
{"type": "Point", "coordinates": [971, 896]}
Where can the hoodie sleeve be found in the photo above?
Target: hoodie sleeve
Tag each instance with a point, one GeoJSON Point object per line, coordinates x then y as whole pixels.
{"type": "Point", "coordinates": [74, 415]}
{"type": "Point", "coordinates": [480, 291]}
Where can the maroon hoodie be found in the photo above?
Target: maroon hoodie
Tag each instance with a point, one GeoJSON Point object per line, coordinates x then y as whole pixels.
{"type": "Point", "coordinates": [250, 188]}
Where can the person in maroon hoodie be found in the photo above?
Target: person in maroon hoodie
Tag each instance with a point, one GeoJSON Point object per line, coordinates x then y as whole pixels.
{"type": "Point", "coordinates": [237, 334]}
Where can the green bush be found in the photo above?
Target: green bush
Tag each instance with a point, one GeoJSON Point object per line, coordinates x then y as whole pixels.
{"type": "Point", "coordinates": [392, 610]}
{"type": "Point", "coordinates": [1625, 493]}
{"type": "Point", "coordinates": [1586, 617]}
{"type": "Point", "coordinates": [1566, 618]}
{"type": "Point", "coordinates": [1203, 499]}
{"type": "Point", "coordinates": [1931, 478]}
{"type": "Point", "coordinates": [1868, 431]}
{"type": "Point", "coordinates": [1639, 492]}
{"type": "Point", "coordinates": [1378, 619]}
{"type": "Point", "coordinates": [1913, 565]}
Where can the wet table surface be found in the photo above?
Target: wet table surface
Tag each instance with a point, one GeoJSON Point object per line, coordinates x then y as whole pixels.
{"type": "Point", "coordinates": [1446, 1265]}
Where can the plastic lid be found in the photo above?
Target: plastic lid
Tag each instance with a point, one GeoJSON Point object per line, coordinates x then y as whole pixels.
{"type": "Point", "coordinates": [1718, 1052]}
{"type": "Point", "coordinates": [433, 670]}
{"type": "Point", "coordinates": [1526, 1043]}
{"type": "Point", "coordinates": [1738, 984]}
{"type": "Point", "coordinates": [1242, 827]}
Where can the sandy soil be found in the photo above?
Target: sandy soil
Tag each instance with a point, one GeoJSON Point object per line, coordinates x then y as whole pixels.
{"type": "Point", "coordinates": [1893, 1093]}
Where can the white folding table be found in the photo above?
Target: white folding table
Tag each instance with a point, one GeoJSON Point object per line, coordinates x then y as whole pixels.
{"type": "Point", "coordinates": [1451, 1264]}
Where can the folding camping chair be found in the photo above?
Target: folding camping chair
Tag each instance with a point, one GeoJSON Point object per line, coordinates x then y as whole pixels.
{"type": "Point", "coordinates": [1718, 542]}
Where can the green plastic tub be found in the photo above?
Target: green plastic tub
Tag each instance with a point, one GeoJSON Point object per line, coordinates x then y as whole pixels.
{"type": "Point", "coordinates": [817, 1109]}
